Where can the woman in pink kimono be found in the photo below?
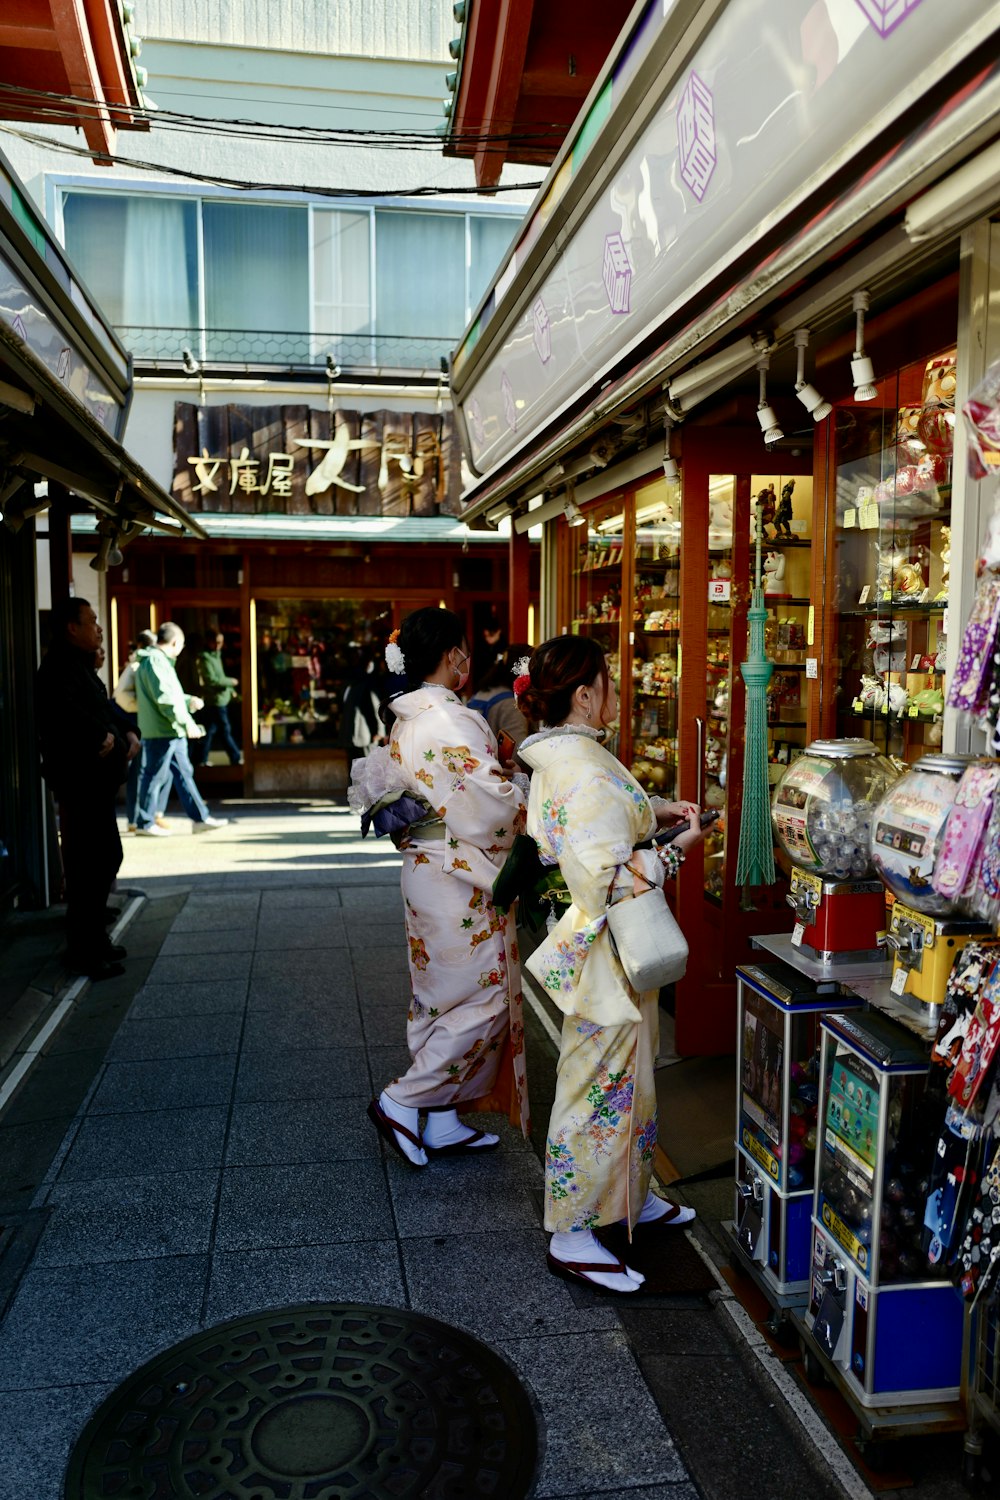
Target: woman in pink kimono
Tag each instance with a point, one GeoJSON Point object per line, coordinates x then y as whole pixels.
{"type": "Point", "coordinates": [465, 1011]}
{"type": "Point", "coordinates": [586, 813]}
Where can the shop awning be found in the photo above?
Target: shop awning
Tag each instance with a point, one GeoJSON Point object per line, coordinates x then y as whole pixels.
{"type": "Point", "coordinates": [395, 529]}
{"type": "Point", "coordinates": [691, 205]}
{"type": "Point", "coordinates": [47, 434]}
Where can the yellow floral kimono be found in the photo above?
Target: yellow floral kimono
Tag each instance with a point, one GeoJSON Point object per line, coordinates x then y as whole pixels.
{"type": "Point", "coordinates": [586, 813]}
{"type": "Point", "coordinates": [465, 1011]}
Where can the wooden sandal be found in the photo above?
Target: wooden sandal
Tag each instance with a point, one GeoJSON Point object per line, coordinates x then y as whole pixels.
{"type": "Point", "coordinates": [577, 1270]}
{"type": "Point", "coordinates": [387, 1129]}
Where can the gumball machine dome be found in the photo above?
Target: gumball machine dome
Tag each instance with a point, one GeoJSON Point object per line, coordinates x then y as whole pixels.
{"type": "Point", "coordinates": [908, 831]}
{"type": "Point", "coordinates": [823, 806]}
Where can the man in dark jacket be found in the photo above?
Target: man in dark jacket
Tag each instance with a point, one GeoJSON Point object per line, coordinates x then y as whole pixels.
{"type": "Point", "coordinates": [85, 755]}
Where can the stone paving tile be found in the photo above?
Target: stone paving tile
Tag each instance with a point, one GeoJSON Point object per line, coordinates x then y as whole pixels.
{"type": "Point", "coordinates": [327, 897]}
{"type": "Point", "coordinates": [495, 1285]}
{"type": "Point", "coordinates": [170, 1140]}
{"type": "Point", "coordinates": [462, 1195]}
{"type": "Point", "coordinates": [176, 1037]}
{"type": "Point", "coordinates": [387, 1062]}
{"type": "Point", "coordinates": [206, 940]}
{"type": "Point", "coordinates": [189, 968]}
{"type": "Point", "coordinates": [291, 937]}
{"type": "Point", "coordinates": [128, 1218]}
{"type": "Point", "coordinates": [683, 1491]}
{"type": "Point", "coordinates": [609, 1438]}
{"type": "Point", "coordinates": [85, 1324]}
{"type": "Point", "coordinates": [210, 919]}
{"type": "Point", "coordinates": [309, 1025]}
{"type": "Point", "coordinates": [128, 1086]}
{"type": "Point", "coordinates": [248, 1280]}
{"type": "Point", "coordinates": [376, 991]}
{"type": "Point", "coordinates": [303, 1073]}
{"type": "Point", "coordinates": [375, 903]}
{"type": "Point", "coordinates": [40, 1429]}
{"type": "Point", "coordinates": [306, 963]}
{"type": "Point", "coordinates": [303, 989]}
{"type": "Point", "coordinates": [160, 1002]}
{"type": "Point", "coordinates": [317, 1130]}
{"type": "Point", "coordinates": [306, 1204]}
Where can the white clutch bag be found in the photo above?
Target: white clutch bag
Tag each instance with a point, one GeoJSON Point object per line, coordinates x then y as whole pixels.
{"type": "Point", "coordinates": [650, 946]}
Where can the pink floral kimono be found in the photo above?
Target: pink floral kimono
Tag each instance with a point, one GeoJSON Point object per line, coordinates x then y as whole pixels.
{"type": "Point", "coordinates": [465, 1012]}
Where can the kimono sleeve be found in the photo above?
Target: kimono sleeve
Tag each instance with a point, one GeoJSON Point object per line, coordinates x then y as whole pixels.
{"type": "Point", "coordinates": [463, 780]}
{"type": "Point", "coordinates": [597, 833]}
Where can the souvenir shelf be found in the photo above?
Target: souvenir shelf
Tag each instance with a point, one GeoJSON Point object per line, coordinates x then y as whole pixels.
{"type": "Point", "coordinates": [655, 638]}
{"type": "Point", "coordinates": [892, 539]}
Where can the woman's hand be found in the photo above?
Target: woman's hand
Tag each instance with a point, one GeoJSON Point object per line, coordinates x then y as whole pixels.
{"type": "Point", "coordinates": [669, 813]}
{"type": "Point", "coordinates": [694, 834]}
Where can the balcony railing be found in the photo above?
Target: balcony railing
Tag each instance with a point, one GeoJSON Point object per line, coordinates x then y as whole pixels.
{"type": "Point", "coordinates": [245, 350]}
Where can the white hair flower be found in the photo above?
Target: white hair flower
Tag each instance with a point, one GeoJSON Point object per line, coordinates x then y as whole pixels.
{"type": "Point", "coordinates": [394, 658]}
{"type": "Point", "coordinates": [521, 666]}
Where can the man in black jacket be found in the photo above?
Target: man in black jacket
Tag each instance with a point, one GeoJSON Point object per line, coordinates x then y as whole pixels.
{"type": "Point", "coordinates": [85, 755]}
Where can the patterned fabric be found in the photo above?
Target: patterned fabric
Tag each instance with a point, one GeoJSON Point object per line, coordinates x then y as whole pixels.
{"type": "Point", "coordinates": [970, 688]}
{"type": "Point", "coordinates": [588, 813]}
{"type": "Point", "coordinates": [465, 1009]}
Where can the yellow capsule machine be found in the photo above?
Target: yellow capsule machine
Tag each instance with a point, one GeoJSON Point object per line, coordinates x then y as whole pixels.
{"type": "Point", "coordinates": [926, 929]}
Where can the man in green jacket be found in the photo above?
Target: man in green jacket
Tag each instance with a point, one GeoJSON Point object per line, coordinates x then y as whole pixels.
{"type": "Point", "coordinates": [218, 690]}
{"type": "Point", "coordinates": [166, 724]}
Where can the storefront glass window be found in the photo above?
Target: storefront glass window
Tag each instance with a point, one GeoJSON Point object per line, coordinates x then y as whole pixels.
{"type": "Point", "coordinates": [307, 650]}
{"type": "Point", "coordinates": [893, 533]}
{"type": "Point", "coordinates": [656, 637]}
{"type": "Point", "coordinates": [597, 549]}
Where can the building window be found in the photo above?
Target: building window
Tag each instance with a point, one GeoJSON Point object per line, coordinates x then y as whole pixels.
{"type": "Point", "coordinates": [231, 280]}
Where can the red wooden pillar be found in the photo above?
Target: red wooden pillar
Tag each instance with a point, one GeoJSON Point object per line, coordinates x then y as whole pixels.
{"type": "Point", "coordinates": [517, 585]}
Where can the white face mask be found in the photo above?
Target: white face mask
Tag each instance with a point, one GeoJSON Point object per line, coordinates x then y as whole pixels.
{"type": "Point", "coordinates": [463, 673]}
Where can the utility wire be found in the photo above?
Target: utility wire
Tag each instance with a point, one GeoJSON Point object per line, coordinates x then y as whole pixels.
{"type": "Point", "coordinates": [109, 159]}
{"type": "Point", "coordinates": [68, 109]}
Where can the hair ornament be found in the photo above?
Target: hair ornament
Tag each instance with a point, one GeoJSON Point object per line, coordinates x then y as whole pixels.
{"type": "Point", "coordinates": [522, 681]}
{"type": "Point", "coordinates": [394, 658]}
{"type": "Point", "coordinates": [521, 666]}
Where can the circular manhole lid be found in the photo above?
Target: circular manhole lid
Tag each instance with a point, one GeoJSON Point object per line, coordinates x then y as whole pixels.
{"type": "Point", "coordinates": [316, 1402]}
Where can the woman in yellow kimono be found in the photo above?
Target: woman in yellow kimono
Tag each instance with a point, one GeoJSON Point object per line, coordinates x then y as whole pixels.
{"type": "Point", "coordinates": [586, 814]}
{"type": "Point", "coordinates": [465, 1009]}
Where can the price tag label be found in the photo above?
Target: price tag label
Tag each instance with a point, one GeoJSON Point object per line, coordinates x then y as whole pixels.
{"type": "Point", "coordinates": [863, 596]}
{"type": "Point", "coordinates": [914, 712]}
{"type": "Point", "coordinates": [858, 706]}
{"type": "Point", "coordinates": [850, 518]}
{"type": "Point", "coordinates": [798, 933]}
{"type": "Point", "coordinates": [899, 979]}
{"type": "Point", "coordinates": [915, 663]}
{"type": "Point", "coordinates": [887, 596]}
{"type": "Point", "coordinates": [880, 938]}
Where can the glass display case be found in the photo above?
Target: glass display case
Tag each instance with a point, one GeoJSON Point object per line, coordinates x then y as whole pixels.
{"type": "Point", "coordinates": [891, 577]}
{"type": "Point", "coordinates": [597, 553]}
{"type": "Point", "coordinates": [655, 638]}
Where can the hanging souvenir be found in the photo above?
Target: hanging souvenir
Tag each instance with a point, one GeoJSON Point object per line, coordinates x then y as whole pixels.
{"type": "Point", "coordinates": [977, 1261]}
{"type": "Point", "coordinates": [970, 972]}
{"type": "Point", "coordinates": [979, 1048]}
{"type": "Point", "coordinates": [982, 414]}
{"type": "Point", "coordinates": [965, 830]}
{"type": "Point", "coordinates": [954, 1174]}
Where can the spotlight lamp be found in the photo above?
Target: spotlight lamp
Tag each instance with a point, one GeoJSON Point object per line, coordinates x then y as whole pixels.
{"type": "Point", "coordinates": [574, 515]}
{"type": "Point", "coordinates": [670, 470]}
{"type": "Point", "coordinates": [808, 394]}
{"type": "Point", "coordinates": [862, 370]}
{"type": "Point", "coordinates": [766, 414]}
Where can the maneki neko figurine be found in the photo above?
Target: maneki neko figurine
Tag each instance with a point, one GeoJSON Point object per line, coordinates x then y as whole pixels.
{"type": "Point", "coordinates": [774, 576]}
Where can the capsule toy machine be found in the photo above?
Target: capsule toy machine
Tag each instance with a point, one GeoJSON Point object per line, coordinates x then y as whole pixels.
{"type": "Point", "coordinates": [927, 926]}
{"type": "Point", "coordinates": [777, 1057]}
{"type": "Point", "coordinates": [880, 1322]}
{"type": "Point", "coordinates": [821, 814]}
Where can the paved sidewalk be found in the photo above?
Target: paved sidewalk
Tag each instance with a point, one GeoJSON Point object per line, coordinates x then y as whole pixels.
{"type": "Point", "coordinates": [222, 1163]}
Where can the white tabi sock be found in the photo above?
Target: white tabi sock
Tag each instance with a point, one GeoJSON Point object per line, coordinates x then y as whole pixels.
{"type": "Point", "coordinates": [411, 1119]}
{"type": "Point", "coordinates": [444, 1128]}
{"type": "Point", "coordinates": [655, 1207]}
{"type": "Point", "coordinates": [582, 1245]}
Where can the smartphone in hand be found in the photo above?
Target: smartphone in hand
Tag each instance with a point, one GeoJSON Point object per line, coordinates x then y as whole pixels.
{"type": "Point", "coordinates": [506, 747]}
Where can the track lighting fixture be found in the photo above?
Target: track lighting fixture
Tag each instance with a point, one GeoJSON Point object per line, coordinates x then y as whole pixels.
{"type": "Point", "coordinates": [574, 515]}
{"type": "Point", "coordinates": [808, 394]}
{"type": "Point", "coordinates": [862, 370]}
{"type": "Point", "coordinates": [765, 414]}
{"type": "Point", "coordinates": [670, 470]}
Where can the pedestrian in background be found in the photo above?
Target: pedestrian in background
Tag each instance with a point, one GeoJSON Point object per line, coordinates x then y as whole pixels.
{"type": "Point", "coordinates": [494, 697]}
{"type": "Point", "coordinates": [465, 1006]}
{"type": "Point", "coordinates": [360, 725]}
{"type": "Point", "coordinates": [124, 696]}
{"type": "Point", "coordinates": [166, 724]}
{"type": "Point", "coordinates": [85, 757]}
{"type": "Point", "coordinates": [586, 813]}
{"type": "Point", "coordinates": [219, 690]}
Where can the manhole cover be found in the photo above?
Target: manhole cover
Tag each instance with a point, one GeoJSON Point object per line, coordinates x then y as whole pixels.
{"type": "Point", "coordinates": [318, 1402]}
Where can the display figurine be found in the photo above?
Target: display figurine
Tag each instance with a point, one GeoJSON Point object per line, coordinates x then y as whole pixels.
{"type": "Point", "coordinates": [774, 576]}
{"type": "Point", "coordinates": [767, 507]}
{"type": "Point", "coordinates": [783, 514]}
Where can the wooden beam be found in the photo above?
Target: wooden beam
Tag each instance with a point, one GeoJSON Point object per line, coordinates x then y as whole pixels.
{"type": "Point", "coordinates": [500, 112]}
{"type": "Point", "coordinates": [29, 38]}
{"type": "Point", "coordinates": [72, 29]}
{"type": "Point", "coordinates": [518, 585]}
